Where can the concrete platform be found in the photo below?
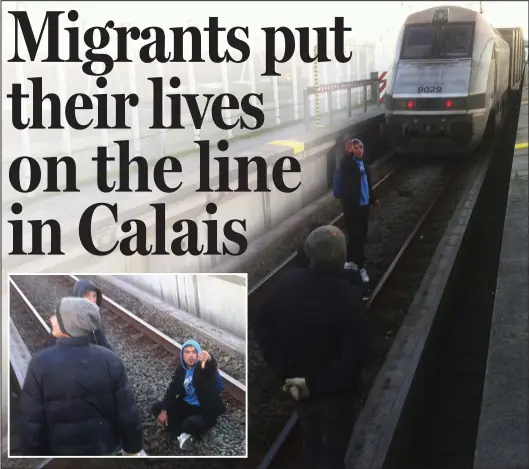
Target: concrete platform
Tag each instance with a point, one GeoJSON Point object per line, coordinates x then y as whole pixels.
{"type": "Point", "coordinates": [400, 382]}
{"type": "Point", "coordinates": [503, 433]}
{"type": "Point", "coordinates": [263, 211]}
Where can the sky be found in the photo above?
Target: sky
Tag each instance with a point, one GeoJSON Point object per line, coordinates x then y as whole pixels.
{"type": "Point", "coordinates": [369, 19]}
{"type": "Point", "coordinates": [372, 22]}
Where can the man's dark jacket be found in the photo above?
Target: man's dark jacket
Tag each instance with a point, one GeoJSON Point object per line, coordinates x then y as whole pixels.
{"type": "Point", "coordinates": [351, 182]}
{"type": "Point", "coordinates": [96, 337]}
{"type": "Point", "coordinates": [205, 384]}
{"type": "Point", "coordinates": [350, 275]}
{"type": "Point", "coordinates": [314, 326]}
{"type": "Point", "coordinates": [76, 400]}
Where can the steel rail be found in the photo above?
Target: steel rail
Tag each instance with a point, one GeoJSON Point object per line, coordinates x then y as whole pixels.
{"type": "Point", "coordinates": [270, 456]}
{"type": "Point", "coordinates": [233, 387]}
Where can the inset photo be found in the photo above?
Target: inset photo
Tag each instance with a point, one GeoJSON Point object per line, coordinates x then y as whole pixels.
{"type": "Point", "coordinates": [150, 365]}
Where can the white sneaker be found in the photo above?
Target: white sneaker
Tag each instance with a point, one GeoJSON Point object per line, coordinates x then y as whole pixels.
{"type": "Point", "coordinates": [350, 266]}
{"type": "Point", "coordinates": [365, 277]}
{"type": "Point", "coordinates": [185, 440]}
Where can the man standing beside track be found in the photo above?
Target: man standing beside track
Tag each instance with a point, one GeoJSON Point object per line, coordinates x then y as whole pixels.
{"type": "Point", "coordinates": [88, 290]}
{"type": "Point", "coordinates": [192, 402]}
{"type": "Point", "coordinates": [76, 399]}
{"type": "Point", "coordinates": [356, 197]}
{"type": "Point", "coordinates": [314, 334]}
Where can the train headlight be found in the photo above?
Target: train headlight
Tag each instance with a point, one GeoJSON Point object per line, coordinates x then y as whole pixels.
{"type": "Point", "coordinates": [410, 104]}
{"type": "Point", "coordinates": [440, 16]}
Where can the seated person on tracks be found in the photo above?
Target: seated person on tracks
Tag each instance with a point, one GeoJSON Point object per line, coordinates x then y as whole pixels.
{"type": "Point", "coordinates": [76, 399]}
{"type": "Point", "coordinates": [314, 334]}
{"type": "Point", "coordinates": [86, 289]}
{"type": "Point", "coordinates": [192, 402]}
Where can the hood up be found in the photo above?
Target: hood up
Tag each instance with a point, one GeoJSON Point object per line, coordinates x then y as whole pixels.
{"type": "Point", "coordinates": [82, 286]}
{"type": "Point", "coordinates": [193, 343]}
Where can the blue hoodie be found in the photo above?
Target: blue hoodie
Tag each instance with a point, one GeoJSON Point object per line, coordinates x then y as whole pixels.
{"type": "Point", "coordinates": [190, 393]}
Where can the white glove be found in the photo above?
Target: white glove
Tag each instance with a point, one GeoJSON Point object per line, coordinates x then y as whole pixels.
{"type": "Point", "coordinates": [297, 387]}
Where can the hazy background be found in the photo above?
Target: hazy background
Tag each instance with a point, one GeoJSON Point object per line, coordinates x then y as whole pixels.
{"type": "Point", "coordinates": [375, 27]}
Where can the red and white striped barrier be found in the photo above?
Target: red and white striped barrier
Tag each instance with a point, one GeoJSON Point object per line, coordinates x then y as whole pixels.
{"type": "Point", "coordinates": [382, 86]}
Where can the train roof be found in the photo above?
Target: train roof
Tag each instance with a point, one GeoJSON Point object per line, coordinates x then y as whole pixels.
{"type": "Point", "coordinates": [455, 14]}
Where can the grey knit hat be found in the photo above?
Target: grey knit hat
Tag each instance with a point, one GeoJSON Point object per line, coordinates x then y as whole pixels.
{"type": "Point", "coordinates": [78, 317]}
{"type": "Point", "coordinates": [326, 247]}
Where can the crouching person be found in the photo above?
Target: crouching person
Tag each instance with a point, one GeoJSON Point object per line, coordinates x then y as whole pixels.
{"type": "Point", "coordinates": [76, 399]}
{"type": "Point", "coordinates": [192, 402]}
{"type": "Point", "coordinates": [314, 334]}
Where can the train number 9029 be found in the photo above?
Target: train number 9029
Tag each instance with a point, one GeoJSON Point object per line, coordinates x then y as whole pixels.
{"type": "Point", "coordinates": [429, 89]}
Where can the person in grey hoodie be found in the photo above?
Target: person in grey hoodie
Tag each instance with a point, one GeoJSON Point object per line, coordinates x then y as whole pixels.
{"type": "Point", "coordinates": [88, 290]}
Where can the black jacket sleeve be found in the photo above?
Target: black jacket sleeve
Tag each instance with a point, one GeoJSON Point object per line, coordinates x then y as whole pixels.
{"type": "Point", "coordinates": [127, 412]}
{"type": "Point", "coordinates": [266, 335]}
{"type": "Point", "coordinates": [101, 338]}
{"type": "Point", "coordinates": [350, 182]}
{"type": "Point", "coordinates": [210, 367]}
{"type": "Point", "coordinates": [174, 390]}
{"type": "Point", "coordinates": [32, 415]}
{"type": "Point", "coordinates": [344, 371]}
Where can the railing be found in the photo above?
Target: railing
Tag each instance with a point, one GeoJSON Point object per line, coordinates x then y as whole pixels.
{"type": "Point", "coordinates": [377, 85]}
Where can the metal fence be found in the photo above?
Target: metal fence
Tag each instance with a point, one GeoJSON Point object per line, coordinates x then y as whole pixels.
{"type": "Point", "coordinates": [373, 85]}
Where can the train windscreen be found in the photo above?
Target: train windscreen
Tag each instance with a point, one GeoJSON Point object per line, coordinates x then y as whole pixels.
{"type": "Point", "coordinates": [434, 41]}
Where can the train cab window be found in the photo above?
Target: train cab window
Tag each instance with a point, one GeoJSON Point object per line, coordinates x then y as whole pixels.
{"type": "Point", "coordinates": [434, 41]}
{"type": "Point", "coordinates": [457, 40]}
{"type": "Point", "coordinates": [419, 42]}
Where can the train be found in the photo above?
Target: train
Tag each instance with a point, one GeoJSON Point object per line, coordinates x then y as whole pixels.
{"type": "Point", "coordinates": [451, 81]}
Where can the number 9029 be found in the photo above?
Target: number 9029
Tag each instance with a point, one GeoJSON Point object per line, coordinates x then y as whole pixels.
{"type": "Point", "coordinates": [429, 89]}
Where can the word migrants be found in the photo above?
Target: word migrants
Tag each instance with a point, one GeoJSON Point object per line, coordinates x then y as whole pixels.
{"type": "Point", "coordinates": [105, 46]}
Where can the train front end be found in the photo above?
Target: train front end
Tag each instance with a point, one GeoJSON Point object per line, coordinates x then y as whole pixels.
{"type": "Point", "coordinates": [428, 106]}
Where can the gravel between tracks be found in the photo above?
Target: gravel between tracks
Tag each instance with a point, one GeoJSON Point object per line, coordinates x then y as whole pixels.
{"type": "Point", "coordinates": [274, 257]}
{"type": "Point", "coordinates": [26, 323]}
{"type": "Point", "coordinates": [403, 202]}
{"type": "Point", "coordinates": [149, 373]}
{"type": "Point", "coordinates": [269, 407]}
{"type": "Point", "coordinates": [231, 363]}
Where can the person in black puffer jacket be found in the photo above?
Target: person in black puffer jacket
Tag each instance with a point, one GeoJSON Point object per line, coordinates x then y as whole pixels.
{"type": "Point", "coordinates": [76, 399]}
{"type": "Point", "coordinates": [86, 289]}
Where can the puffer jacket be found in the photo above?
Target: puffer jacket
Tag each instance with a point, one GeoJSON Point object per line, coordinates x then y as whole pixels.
{"type": "Point", "coordinates": [76, 401]}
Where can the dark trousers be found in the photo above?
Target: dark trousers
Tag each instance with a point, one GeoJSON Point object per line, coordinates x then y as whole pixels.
{"type": "Point", "coordinates": [185, 418]}
{"type": "Point", "coordinates": [356, 220]}
{"type": "Point", "coordinates": [326, 430]}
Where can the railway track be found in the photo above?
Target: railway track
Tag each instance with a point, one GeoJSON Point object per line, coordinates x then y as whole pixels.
{"type": "Point", "coordinates": [33, 330]}
{"type": "Point", "coordinates": [399, 177]}
{"type": "Point", "coordinates": [423, 236]}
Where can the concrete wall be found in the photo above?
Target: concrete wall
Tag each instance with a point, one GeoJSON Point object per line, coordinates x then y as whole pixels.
{"type": "Point", "coordinates": [220, 300]}
{"type": "Point", "coordinates": [262, 211]}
